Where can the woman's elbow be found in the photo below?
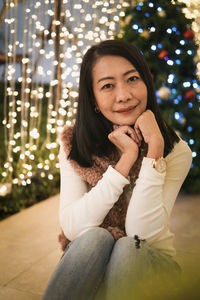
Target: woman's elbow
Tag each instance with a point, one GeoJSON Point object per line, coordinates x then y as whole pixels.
{"type": "Point", "coordinates": [67, 227]}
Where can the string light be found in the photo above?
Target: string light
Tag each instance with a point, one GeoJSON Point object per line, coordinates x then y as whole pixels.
{"type": "Point", "coordinates": [61, 46]}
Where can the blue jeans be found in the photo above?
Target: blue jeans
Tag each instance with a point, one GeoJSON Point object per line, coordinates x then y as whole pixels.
{"type": "Point", "coordinates": [95, 266]}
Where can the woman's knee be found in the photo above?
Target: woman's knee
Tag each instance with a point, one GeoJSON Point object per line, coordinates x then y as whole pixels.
{"type": "Point", "coordinates": [127, 250]}
{"type": "Point", "coordinates": [125, 244]}
{"type": "Point", "coordinates": [100, 233]}
{"type": "Point", "coordinates": [95, 240]}
{"type": "Point", "coordinates": [97, 235]}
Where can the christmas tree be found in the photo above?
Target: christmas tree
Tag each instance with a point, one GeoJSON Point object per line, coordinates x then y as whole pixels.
{"type": "Point", "coordinates": [161, 31]}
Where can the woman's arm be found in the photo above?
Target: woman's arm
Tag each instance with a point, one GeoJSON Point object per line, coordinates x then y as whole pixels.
{"type": "Point", "coordinates": [155, 193]}
{"type": "Point", "coordinates": [81, 209]}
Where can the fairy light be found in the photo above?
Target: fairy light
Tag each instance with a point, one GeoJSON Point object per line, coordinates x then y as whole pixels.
{"type": "Point", "coordinates": [5, 189]}
{"type": "Point", "coordinates": [85, 25]}
{"type": "Point", "coordinates": [50, 176]}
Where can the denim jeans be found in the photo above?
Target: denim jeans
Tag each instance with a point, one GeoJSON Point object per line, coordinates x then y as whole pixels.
{"type": "Point", "coordinates": [95, 266]}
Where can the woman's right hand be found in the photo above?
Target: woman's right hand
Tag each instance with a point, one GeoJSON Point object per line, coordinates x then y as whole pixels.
{"type": "Point", "coordinates": [128, 142]}
{"type": "Point", "coordinates": [125, 139]}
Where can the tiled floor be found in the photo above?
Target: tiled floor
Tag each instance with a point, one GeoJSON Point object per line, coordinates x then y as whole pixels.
{"type": "Point", "coordinates": [29, 250]}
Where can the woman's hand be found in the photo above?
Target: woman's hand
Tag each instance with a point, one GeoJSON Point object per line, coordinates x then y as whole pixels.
{"type": "Point", "coordinates": [127, 141]}
{"type": "Point", "coordinates": [147, 125]}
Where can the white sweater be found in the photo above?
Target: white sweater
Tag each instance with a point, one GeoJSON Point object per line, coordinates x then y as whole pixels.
{"type": "Point", "coordinates": [150, 205]}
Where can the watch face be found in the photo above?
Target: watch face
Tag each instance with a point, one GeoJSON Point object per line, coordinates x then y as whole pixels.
{"type": "Point", "coordinates": [160, 165]}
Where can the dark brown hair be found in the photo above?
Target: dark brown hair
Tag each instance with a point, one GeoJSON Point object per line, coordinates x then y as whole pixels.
{"type": "Point", "coordinates": [90, 136]}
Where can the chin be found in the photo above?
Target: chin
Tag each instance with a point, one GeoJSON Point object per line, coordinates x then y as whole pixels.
{"type": "Point", "coordinates": [126, 123]}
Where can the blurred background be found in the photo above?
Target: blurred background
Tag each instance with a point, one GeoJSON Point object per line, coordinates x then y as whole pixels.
{"type": "Point", "coordinates": [41, 48]}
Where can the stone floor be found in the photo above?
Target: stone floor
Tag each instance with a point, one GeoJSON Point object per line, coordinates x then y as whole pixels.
{"type": "Point", "coordinates": [29, 250]}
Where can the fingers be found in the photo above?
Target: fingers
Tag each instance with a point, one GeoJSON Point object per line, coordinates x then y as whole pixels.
{"type": "Point", "coordinates": [135, 137]}
{"type": "Point", "coordinates": [139, 134]}
{"type": "Point", "coordinates": [147, 126]}
{"type": "Point", "coordinates": [116, 126]}
{"type": "Point", "coordinates": [129, 131]}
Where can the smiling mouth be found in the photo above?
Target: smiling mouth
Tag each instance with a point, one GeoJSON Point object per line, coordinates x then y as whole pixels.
{"type": "Point", "coordinates": [125, 110]}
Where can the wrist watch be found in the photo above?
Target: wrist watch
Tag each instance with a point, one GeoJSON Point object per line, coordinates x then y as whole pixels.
{"type": "Point", "coordinates": [160, 165]}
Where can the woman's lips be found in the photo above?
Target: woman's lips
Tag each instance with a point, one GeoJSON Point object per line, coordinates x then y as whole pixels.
{"type": "Point", "coordinates": [125, 110]}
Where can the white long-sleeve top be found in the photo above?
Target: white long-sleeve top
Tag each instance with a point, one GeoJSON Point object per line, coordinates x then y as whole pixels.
{"type": "Point", "coordinates": [150, 205]}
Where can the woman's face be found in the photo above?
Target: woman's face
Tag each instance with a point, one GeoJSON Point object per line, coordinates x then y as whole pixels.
{"type": "Point", "coordinates": [120, 93]}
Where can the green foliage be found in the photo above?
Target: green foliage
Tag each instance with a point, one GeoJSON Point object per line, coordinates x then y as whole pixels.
{"type": "Point", "coordinates": [21, 197]}
{"type": "Point", "coordinates": [163, 34]}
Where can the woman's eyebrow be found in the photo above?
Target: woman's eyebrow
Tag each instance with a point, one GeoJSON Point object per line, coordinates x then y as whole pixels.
{"type": "Point", "coordinates": [110, 77]}
{"type": "Point", "coordinates": [105, 78]}
{"type": "Point", "coordinates": [130, 71]}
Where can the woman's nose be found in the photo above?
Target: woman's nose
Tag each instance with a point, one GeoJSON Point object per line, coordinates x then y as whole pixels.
{"type": "Point", "coordinates": [122, 93]}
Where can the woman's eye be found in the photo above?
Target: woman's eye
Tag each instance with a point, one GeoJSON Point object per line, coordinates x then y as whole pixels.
{"type": "Point", "coordinates": [106, 86]}
{"type": "Point", "coordinates": [133, 78]}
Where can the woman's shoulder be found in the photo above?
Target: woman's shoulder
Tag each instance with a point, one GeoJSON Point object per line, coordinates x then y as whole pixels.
{"type": "Point", "coordinates": [66, 137]}
{"type": "Point", "coordinates": [181, 150]}
{"type": "Point", "coordinates": [182, 146]}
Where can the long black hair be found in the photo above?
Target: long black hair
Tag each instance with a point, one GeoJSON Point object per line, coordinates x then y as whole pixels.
{"type": "Point", "coordinates": [90, 135]}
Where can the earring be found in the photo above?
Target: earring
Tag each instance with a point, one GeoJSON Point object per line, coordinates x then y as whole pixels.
{"type": "Point", "coordinates": [96, 109]}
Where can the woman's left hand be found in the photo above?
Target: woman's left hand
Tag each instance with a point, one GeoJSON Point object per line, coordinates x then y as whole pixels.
{"type": "Point", "coordinates": [147, 125]}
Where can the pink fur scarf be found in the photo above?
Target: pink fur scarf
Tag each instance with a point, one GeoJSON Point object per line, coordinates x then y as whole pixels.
{"type": "Point", "coordinates": [114, 221]}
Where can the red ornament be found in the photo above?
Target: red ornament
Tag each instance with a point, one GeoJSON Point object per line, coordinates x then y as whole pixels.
{"type": "Point", "coordinates": [163, 54]}
{"type": "Point", "coordinates": [188, 34]}
{"type": "Point", "coordinates": [190, 95]}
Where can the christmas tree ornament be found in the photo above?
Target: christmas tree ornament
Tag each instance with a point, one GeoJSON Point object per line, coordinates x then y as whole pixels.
{"type": "Point", "coordinates": [183, 121]}
{"type": "Point", "coordinates": [189, 95]}
{"type": "Point", "coordinates": [188, 34]}
{"type": "Point", "coordinates": [164, 93]}
{"type": "Point", "coordinates": [162, 14]}
{"type": "Point", "coordinates": [163, 54]}
{"type": "Point", "coordinates": [145, 34]}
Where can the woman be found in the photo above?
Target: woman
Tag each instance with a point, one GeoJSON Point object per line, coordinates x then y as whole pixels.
{"type": "Point", "coordinates": [121, 167]}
